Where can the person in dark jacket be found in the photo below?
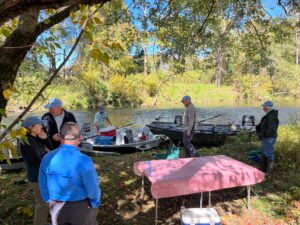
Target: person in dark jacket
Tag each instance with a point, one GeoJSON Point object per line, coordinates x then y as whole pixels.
{"type": "Point", "coordinates": [32, 152]}
{"type": "Point", "coordinates": [267, 134]}
{"type": "Point", "coordinates": [56, 118]}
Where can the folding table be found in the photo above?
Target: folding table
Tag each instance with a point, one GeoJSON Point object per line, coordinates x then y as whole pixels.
{"type": "Point", "coordinates": [171, 178]}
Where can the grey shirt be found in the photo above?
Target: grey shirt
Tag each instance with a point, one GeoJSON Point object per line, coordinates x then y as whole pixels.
{"type": "Point", "coordinates": [190, 118]}
{"type": "Point", "coordinates": [59, 120]}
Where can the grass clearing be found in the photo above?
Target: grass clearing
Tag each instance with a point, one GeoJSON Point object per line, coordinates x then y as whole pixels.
{"type": "Point", "coordinates": [277, 203]}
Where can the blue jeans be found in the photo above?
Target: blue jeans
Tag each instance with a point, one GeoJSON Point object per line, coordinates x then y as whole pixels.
{"type": "Point", "coordinates": [268, 147]}
{"type": "Point", "coordinates": [189, 149]}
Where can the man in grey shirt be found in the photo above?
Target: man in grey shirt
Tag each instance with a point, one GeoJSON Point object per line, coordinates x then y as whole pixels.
{"type": "Point", "coordinates": [189, 126]}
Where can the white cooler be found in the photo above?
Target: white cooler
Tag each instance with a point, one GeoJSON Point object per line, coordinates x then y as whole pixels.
{"type": "Point", "coordinates": [200, 216]}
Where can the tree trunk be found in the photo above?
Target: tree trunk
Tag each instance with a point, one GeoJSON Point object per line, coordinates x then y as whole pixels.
{"type": "Point", "coordinates": [219, 72]}
{"type": "Point", "coordinates": [145, 61]}
{"type": "Point", "coordinates": [297, 38]}
{"type": "Point", "coordinates": [14, 50]}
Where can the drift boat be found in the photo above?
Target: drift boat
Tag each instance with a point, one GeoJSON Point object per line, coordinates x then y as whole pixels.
{"type": "Point", "coordinates": [122, 141]}
{"type": "Point", "coordinates": [206, 134]}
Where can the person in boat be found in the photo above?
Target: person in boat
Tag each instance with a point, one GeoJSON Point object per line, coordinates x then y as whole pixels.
{"type": "Point", "coordinates": [267, 134]}
{"type": "Point", "coordinates": [32, 152]}
{"type": "Point", "coordinates": [69, 181]}
{"type": "Point", "coordinates": [100, 117]}
{"type": "Point", "coordinates": [189, 126]}
{"type": "Point", "coordinates": [56, 118]}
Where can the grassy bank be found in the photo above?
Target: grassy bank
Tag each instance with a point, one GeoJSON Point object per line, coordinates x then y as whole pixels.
{"type": "Point", "coordinates": [278, 200]}
{"type": "Point", "coordinates": [135, 90]}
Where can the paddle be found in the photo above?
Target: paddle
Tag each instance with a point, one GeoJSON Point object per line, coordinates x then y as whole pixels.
{"type": "Point", "coordinates": [125, 125]}
{"type": "Point", "coordinates": [210, 118]}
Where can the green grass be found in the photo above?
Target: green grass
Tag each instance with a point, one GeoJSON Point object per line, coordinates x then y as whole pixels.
{"type": "Point", "coordinates": [278, 201]}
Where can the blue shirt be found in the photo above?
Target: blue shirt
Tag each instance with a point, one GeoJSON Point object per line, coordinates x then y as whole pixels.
{"type": "Point", "coordinates": [68, 175]}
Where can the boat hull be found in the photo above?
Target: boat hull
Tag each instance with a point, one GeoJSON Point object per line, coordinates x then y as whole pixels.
{"type": "Point", "coordinates": [103, 150]}
{"type": "Point", "coordinates": [205, 135]}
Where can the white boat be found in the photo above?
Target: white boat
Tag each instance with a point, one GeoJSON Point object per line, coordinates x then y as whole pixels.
{"type": "Point", "coordinates": [124, 142]}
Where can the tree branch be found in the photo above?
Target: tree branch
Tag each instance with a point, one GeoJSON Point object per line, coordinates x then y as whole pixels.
{"type": "Point", "coordinates": [252, 24]}
{"type": "Point", "coordinates": [55, 19]}
{"type": "Point", "coordinates": [206, 18]}
{"type": "Point", "coordinates": [10, 9]}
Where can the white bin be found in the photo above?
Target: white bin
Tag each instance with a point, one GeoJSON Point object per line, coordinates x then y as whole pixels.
{"type": "Point", "coordinates": [200, 216]}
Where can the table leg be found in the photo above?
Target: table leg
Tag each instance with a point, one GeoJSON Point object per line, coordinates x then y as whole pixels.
{"type": "Point", "coordinates": [248, 196]}
{"type": "Point", "coordinates": [156, 211]}
{"type": "Point", "coordinates": [143, 187]}
{"type": "Point", "coordinates": [201, 199]}
{"type": "Point", "coordinates": [209, 199]}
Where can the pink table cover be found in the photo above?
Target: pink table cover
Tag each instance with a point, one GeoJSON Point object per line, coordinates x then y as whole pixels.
{"type": "Point", "coordinates": [170, 178]}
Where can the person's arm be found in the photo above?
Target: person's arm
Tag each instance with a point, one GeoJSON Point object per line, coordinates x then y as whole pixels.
{"type": "Point", "coordinates": [42, 179]}
{"type": "Point", "coordinates": [31, 154]}
{"type": "Point", "coordinates": [91, 183]}
{"type": "Point", "coordinates": [191, 116]}
{"type": "Point", "coordinates": [271, 126]}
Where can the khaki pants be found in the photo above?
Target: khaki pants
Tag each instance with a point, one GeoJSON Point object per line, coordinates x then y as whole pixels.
{"type": "Point", "coordinates": [41, 208]}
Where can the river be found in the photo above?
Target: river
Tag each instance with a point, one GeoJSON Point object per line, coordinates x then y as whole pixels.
{"type": "Point", "coordinates": [142, 116]}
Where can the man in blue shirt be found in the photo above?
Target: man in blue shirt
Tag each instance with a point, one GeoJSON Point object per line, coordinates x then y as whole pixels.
{"type": "Point", "coordinates": [69, 182]}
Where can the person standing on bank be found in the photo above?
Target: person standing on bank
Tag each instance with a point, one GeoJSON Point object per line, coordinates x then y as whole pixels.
{"type": "Point", "coordinates": [69, 182]}
{"type": "Point", "coordinates": [56, 118]}
{"type": "Point", "coordinates": [32, 152]}
{"type": "Point", "coordinates": [189, 126]}
{"type": "Point", "coordinates": [267, 134]}
{"type": "Point", "coordinates": [100, 118]}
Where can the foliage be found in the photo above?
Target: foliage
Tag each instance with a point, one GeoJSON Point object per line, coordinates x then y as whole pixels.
{"type": "Point", "coordinates": [123, 92]}
{"type": "Point", "coordinates": [94, 89]}
{"type": "Point", "coordinates": [253, 86]}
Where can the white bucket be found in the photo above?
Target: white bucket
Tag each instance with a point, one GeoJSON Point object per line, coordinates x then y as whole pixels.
{"type": "Point", "coordinates": [200, 216]}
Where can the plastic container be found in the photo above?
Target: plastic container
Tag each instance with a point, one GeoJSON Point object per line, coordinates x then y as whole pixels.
{"type": "Point", "coordinates": [103, 140]}
{"type": "Point", "coordinates": [199, 216]}
{"type": "Point", "coordinates": [108, 131]}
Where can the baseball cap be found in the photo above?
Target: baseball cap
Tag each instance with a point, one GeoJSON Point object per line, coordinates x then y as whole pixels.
{"type": "Point", "coordinates": [185, 98]}
{"type": "Point", "coordinates": [101, 108]}
{"type": "Point", "coordinates": [268, 104]}
{"type": "Point", "coordinates": [32, 120]}
{"type": "Point", "coordinates": [54, 102]}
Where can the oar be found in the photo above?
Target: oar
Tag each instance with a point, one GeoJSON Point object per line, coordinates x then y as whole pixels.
{"type": "Point", "coordinates": [125, 125]}
{"type": "Point", "coordinates": [210, 118]}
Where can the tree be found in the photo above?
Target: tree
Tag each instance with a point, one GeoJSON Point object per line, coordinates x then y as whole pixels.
{"type": "Point", "coordinates": [23, 34]}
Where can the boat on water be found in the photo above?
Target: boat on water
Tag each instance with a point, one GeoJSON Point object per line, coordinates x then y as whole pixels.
{"type": "Point", "coordinates": [112, 141]}
{"type": "Point", "coordinates": [206, 134]}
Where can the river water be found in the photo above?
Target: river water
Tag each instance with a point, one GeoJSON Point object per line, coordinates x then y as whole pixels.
{"type": "Point", "coordinates": [142, 116]}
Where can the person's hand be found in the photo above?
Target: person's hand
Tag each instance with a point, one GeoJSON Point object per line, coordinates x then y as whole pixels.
{"type": "Point", "coordinates": [56, 137]}
{"type": "Point", "coordinates": [188, 133]}
{"type": "Point", "coordinates": [42, 134]}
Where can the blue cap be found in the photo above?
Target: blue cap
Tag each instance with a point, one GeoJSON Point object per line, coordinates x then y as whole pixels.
{"type": "Point", "coordinates": [53, 102]}
{"type": "Point", "coordinates": [268, 104]}
{"type": "Point", "coordinates": [186, 98]}
{"type": "Point", "coordinates": [101, 108]}
{"type": "Point", "coordinates": [32, 120]}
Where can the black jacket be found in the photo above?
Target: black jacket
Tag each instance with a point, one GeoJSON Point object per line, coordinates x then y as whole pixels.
{"type": "Point", "coordinates": [268, 126]}
{"type": "Point", "coordinates": [32, 152]}
{"type": "Point", "coordinates": [52, 129]}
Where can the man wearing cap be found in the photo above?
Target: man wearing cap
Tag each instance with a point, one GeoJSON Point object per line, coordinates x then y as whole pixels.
{"type": "Point", "coordinates": [189, 126]}
{"type": "Point", "coordinates": [100, 118]}
{"type": "Point", "coordinates": [32, 151]}
{"type": "Point", "coordinates": [56, 118]}
{"type": "Point", "coordinates": [267, 134]}
{"type": "Point", "coordinates": [69, 182]}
